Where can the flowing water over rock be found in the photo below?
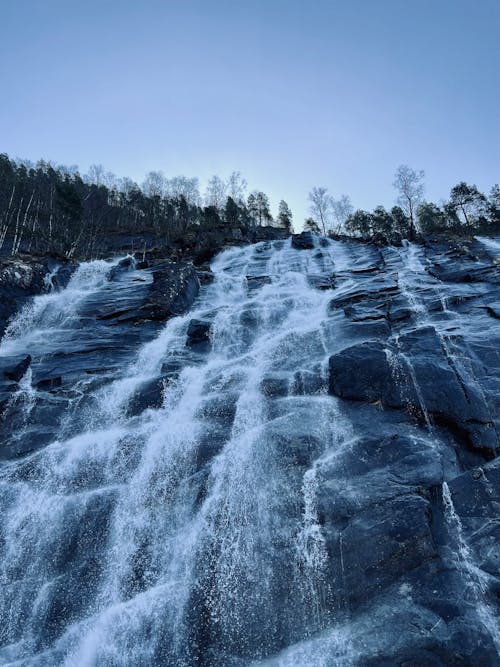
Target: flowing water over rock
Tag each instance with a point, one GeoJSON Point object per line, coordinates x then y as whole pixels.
{"type": "Point", "coordinates": [298, 471]}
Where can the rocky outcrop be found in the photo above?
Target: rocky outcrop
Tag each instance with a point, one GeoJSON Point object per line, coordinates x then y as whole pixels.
{"type": "Point", "coordinates": [24, 277]}
{"type": "Point", "coordinates": [174, 287]}
{"type": "Point", "coordinates": [198, 335]}
{"type": "Point", "coordinates": [303, 241]}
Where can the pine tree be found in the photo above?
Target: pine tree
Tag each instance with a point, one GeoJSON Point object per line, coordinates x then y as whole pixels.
{"type": "Point", "coordinates": [285, 216]}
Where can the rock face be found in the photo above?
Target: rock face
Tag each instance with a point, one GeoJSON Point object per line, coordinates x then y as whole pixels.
{"type": "Point", "coordinates": [288, 457]}
{"type": "Point", "coordinates": [19, 369]}
{"type": "Point", "coordinates": [21, 279]}
{"type": "Point", "coordinates": [103, 325]}
{"type": "Point", "coordinates": [303, 241]}
{"type": "Point", "coordinates": [416, 374]}
{"type": "Point", "coordinates": [174, 287]}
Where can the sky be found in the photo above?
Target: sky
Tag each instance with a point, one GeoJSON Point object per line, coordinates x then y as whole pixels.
{"type": "Point", "coordinates": [292, 93]}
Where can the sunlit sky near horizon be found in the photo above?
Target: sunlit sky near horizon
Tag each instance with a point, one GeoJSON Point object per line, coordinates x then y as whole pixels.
{"type": "Point", "coordinates": [291, 93]}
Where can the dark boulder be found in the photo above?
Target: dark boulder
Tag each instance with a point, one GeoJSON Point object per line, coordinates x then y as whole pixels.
{"type": "Point", "coordinates": [362, 373]}
{"type": "Point", "coordinates": [174, 288]}
{"type": "Point", "coordinates": [148, 396]}
{"type": "Point", "coordinates": [297, 449]}
{"type": "Point", "coordinates": [308, 382]}
{"type": "Point", "coordinates": [448, 269]}
{"type": "Point", "coordinates": [50, 383]}
{"type": "Point", "coordinates": [220, 409]}
{"type": "Point", "coordinates": [383, 542]}
{"type": "Point", "coordinates": [366, 311]}
{"type": "Point", "coordinates": [125, 264]}
{"type": "Point", "coordinates": [374, 289]}
{"type": "Point", "coordinates": [198, 335]}
{"type": "Point", "coordinates": [303, 241]}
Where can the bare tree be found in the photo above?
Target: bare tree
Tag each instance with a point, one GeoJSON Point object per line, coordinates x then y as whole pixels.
{"type": "Point", "coordinates": [182, 186]}
{"type": "Point", "coordinates": [70, 171]}
{"type": "Point", "coordinates": [216, 192]}
{"type": "Point", "coordinates": [321, 207]}
{"type": "Point", "coordinates": [342, 209]}
{"type": "Point", "coordinates": [409, 184]}
{"type": "Point", "coordinates": [95, 174]}
{"type": "Point", "coordinates": [237, 187]}
{"type": "Point", "coordinates": [110, 180]}
{"type": "Point", "coordinates": [127, 185]}
{"type": "Point", "coordinates": [155, 184]}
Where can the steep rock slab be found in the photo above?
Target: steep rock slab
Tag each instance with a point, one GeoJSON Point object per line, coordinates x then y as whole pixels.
{"type": "Point", "coordinates": [174, 288]}
{"type": "Point", "coordinates": [417, 376]}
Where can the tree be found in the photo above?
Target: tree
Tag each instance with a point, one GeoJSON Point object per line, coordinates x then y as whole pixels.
{"type": "Point", "coordinates": [216, 192]}
{"type": "Point", "coordinates": [237, 187]}
{"type": "Point", "coordinates": [127, 185]}
{"type": "Point", "coordinates": [321, 206]}
{"type": "Point", "coordinates": [231, 213]}
{"type": "Point", "coordinates": [431, 218]}
{"type": "Point", "coordinates": [311, 225]}
{"type": "Point", "coordinates": [258, 207]}
{"type": "Point", "coordinates": [494, 208]}
{"type": "Point", "coordinates": [401, 222]}
{"type": "Point", "coordinates": [409, 184]}
{"type": "Point", "coordinates": [285, 216]}
{"type": "Point", "coordinates": [360, 223]}
{"type": "Point", "coordinates": [155, 184]}
{"type": "Point", "coordinates": [382, 223]}
{"type": "Point", "coordinates": [342, 209]}
{"type": "Point", "coordinates": [494, 197]}
{"type": "Point", "coordinates": [468, 201]}
{"type": "Point", "coordinates": [95, 174]}
{"type": "Point", "coordinates": [182, 186]}
{"type": "Point", "coordinates": [211, 217]}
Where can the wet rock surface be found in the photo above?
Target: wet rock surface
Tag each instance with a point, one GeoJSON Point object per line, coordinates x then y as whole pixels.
{"type": "Point", "coordinates": [303, 241]}
{"type": "Point", "coordinates": [301, 441]}
{"type": "Point", "coordinates": [24, 277]}
{"type": "Point", "coordinates": [84, 338]}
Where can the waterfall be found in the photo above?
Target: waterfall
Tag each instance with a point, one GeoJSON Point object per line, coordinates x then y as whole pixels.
{"type": "Point", "coordinates": [181, 503]}
{"type": "Point", "coordinates": [140, 539]}
{"type": "Point", "coordinates": [491, 245]}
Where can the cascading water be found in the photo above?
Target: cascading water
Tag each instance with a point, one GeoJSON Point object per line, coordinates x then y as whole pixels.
{"type": "Point", "coordinates": [189, 528]}
{"type": "Point", "coordinates": [149, 539]}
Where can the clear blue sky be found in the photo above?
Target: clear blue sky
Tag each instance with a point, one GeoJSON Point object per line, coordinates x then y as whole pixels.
{"type": "Point", "coordinates": [292, 93]}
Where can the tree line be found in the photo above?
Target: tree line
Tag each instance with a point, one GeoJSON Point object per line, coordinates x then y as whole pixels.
{"type": "Point", "coordinates": [466, 212]}
{"type": "Point", "coordinates": [49, 208]}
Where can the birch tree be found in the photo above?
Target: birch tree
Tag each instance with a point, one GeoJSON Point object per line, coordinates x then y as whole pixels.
{"type": "Point", "coordinates": [410, 186]}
